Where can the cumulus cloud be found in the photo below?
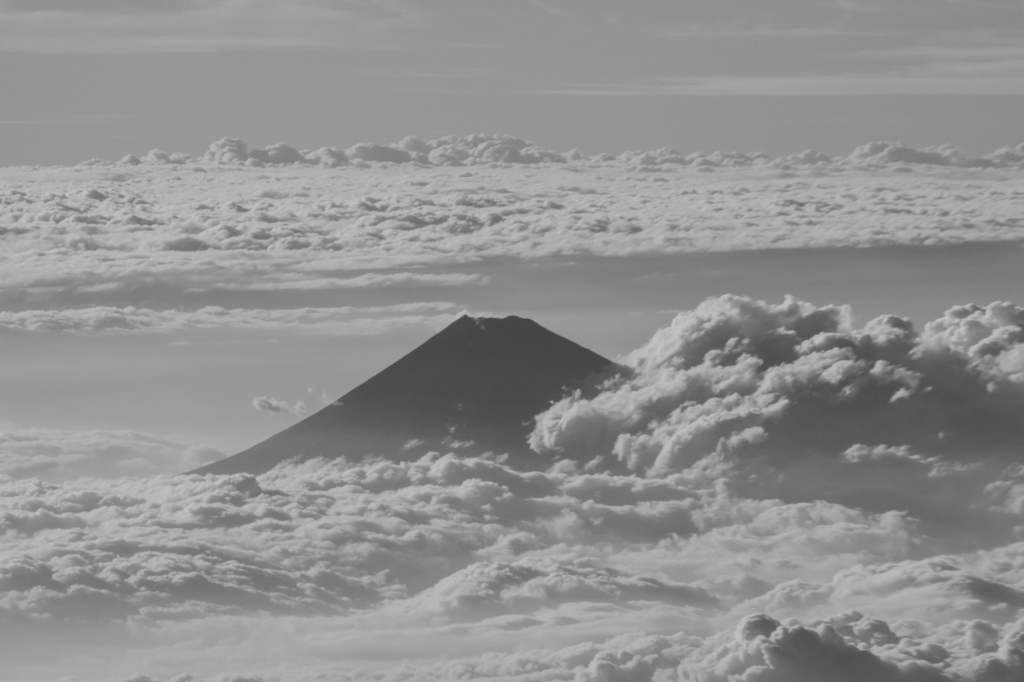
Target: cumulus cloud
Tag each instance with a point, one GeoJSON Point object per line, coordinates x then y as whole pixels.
{"type": "Point", "coordinates": [517, 575]}
{"type": "Point", "coordinates": [233, 151]}
{"type": "Point", "coordinates": [453, 150]}
{"type": "Point", "coordinates": [521, 576]}
{"type": "Point", "coordinates": [793, 377]}
{"type": "Point", "coordinates": [792, 400]}
{"type": "Point", "coordinates": [848, 647]}
{"type": "Point", "coordinates": [943, 155]}
{"type": "Point", "coordinates": [478, 149]}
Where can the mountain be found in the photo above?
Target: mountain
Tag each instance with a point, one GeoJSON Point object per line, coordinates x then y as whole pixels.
{"type": "Point", "coordinates": [473, 387]}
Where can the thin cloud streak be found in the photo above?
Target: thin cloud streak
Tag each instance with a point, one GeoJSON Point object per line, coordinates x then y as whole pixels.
{"type": "Point", "coordinates": [806, 86]}
{"type": "Point", "coordinates": [370, 280]}
{"type": "Point", "coordinates": [200, 26]}
{"type": "Point", "coordinates": [330, 321]}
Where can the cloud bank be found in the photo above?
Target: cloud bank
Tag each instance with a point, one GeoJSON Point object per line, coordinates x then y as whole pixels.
{"type": "Point", "coordinates": [481, 149]}
{"type": "Point", "coordinates": [790, 399]}
{"type": "Point", "coordinates": [55, 455]}
{"type": "Point", "coordinates": [765, 492]}
{"type": "Point", "coordinates": [175, 233]}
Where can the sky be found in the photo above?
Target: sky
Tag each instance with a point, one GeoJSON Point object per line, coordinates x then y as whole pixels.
{"type": "Point", "coordinates": [102, 78]}
{"type": "Point", "coordinates": [218, 216]}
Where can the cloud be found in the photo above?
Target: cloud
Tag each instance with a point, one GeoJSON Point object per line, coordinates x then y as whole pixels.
{"type": "Point", "coordinates": [900, 81]}
{"type": "Point", "coordinates": [311, 571]}
{"type": "Point", "coordinates": [233, 151]}
{"type": "Point", "coordinates": [846, 42]}
{"type": "Point", "coordinates": [479, 149]}
{"type": "Point", "coordinates": [752, 457]}
{"type": "Point", "coordinates": [736, 368]}
{"type": "Point", "coordinates": [115, 236]}
{"type": "Point", "coordinates": [365, 281]}
{"type": "Point", "coordinates": [849, 647]}
{"type": "Point", "coordinates": [277, 406]}
{"type": "Point", "coordinates": [484, 589]}
{"type": "Point", "coordinates": [113, 26]}
{"type": "Point", "coordinates": [453, 150]}
{"type": "Point", "coordinates": [211, 24]}
{"type": "Point", "coordinates": [792, 400]}
{"type": "Point", "coordinates": [346, 320]}
{"type": "Point", "coordinates": [55, 455]}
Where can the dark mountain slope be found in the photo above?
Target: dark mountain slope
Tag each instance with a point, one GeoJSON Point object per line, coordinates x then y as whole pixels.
{"type": "Point", "coordinates": [479, 380]}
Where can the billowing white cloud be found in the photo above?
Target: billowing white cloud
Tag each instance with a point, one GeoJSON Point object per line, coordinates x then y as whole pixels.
{"type": "Point", "coordinates": [850, 647]}
{"type": "Point", "coordinates": [792, 401]}
{"type": "Point", "coordinates": [798, 384]}
{"type": "Point", "coordinates": [453, 150]}
{"type": "Point", "coordinates": [479, 149]}
{"type": "Point", "coordinates": [453, 567]}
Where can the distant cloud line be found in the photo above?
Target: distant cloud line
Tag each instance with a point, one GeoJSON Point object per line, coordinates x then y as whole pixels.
{"type": "Point", "coordinates": [468, 150]}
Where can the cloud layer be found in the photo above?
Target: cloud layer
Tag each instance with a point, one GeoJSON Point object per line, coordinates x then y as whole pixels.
{"type": "Point", "coordinates": [175, 242]}
{"type": "Point", "coordinates": [763, 493]}
{"type": "Point", "coordinates": [56, 455]}
{"type": "Point", "coordinates": [472, 150]}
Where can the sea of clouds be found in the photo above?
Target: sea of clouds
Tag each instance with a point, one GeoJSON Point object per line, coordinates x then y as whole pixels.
{"type": "Point", "coordinates": [762, 493]}
{"type": "Point", "coordinates": [171, 242]}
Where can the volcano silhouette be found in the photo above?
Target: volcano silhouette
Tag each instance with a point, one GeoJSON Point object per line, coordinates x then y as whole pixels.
{"type": "Point", "coordinates": [474, 387]}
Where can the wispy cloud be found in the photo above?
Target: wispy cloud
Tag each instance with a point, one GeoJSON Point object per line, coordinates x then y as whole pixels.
{"type": "Point", "coordinates": [58, 455]}
{"type": "Point", "coordinates": [132, 25]}
{"type": "Point", "coordinates": [112, 320]}
{"type": "Point", "coordinates": [273, 405]}
{"type": "Point", "coordinates": [1009, 83]}
{"type": "Point", "coordinates": [111, 26]}
{"type": "Point", "coordinates": [370, 280]}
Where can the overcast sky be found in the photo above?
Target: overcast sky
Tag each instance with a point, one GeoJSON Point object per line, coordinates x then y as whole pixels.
{"type": "Point", "coordinates": [84, 78]}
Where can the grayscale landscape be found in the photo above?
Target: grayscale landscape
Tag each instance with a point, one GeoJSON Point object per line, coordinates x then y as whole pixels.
{"type": "Point", "coordinates": [302, 380]}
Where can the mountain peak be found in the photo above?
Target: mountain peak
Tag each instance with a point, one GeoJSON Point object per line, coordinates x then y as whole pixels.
{"type": "Point", "coordinates": [474, 386]}
{"type": "Point", "coordinates": [508, 323]}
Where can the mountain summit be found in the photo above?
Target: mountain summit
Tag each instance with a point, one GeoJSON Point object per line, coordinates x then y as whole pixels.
{"type": "Point", "coordinates": [473, 387]}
